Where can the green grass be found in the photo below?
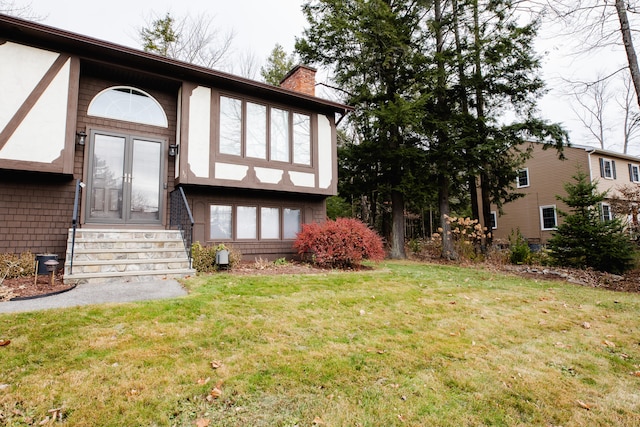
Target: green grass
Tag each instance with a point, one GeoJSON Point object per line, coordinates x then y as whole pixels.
{"type": "Point", "coordinates": [403, 345]}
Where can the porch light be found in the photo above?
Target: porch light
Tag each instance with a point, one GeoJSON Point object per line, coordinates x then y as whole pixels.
{"type": "Point", "coordinates": [173, 150]}
{"type": "Point", "coordinates": [81, 137]}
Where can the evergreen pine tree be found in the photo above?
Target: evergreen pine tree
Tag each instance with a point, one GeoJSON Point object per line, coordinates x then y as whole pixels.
{"type": "Point", "coordinates": [585, 239]}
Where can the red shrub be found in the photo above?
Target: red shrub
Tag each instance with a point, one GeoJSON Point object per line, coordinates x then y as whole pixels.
{"type": "Point", "coordinates": [342, 243]}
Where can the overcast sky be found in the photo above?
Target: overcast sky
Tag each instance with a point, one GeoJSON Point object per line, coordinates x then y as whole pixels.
{"type": "Point", "coordinates": [259, 24]}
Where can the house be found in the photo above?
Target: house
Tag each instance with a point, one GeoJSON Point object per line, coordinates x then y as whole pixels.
{"type": "Point", "coordinates": [97, 139]}
{"type": "Point", "coordinates": [543, 177]}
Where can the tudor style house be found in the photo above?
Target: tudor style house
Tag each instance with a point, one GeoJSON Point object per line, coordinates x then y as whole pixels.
{"type": "Point", "coordinates": [543, 177]}
{"type": "Point", "coordinates": [105, 149]}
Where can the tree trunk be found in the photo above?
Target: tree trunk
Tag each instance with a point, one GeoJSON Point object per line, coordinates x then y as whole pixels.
{"type": "Point", "coordinates": [632, 58]}
{"type": "Point", "coordinates": [486, 209]}
{"type": "Point", "coordinates": [448, 249]}
{"type": "Point", "coordinates": [397, 225]}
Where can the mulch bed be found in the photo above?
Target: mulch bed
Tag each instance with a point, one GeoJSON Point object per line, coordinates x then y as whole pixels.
{"type": "Point", "coordinates": [34, 286]}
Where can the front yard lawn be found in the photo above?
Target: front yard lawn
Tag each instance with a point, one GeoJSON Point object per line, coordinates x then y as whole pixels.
{"type": "Point", "coordinates": [405, 344]}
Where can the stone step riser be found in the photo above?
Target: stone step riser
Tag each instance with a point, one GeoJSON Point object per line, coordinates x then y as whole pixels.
{"type": "Point", "coordinates": [104, 255]}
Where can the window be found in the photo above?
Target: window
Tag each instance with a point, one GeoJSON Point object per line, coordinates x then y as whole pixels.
{"type": "Point", "coordinates": [606, 212]}
{"type": "Point", "coordinates": [270, 223]}
{"type": "Point", "coordinates": [292, 221]}
{"type": "Point", "coordinates": [263, 132]}
{"type": "Point", "coordinates": [220, 222]}
{"type": "Point", "coordinates": [548, 220]}
{"type": "Point", "coordinates": [246, 223]}
{"type": "Point", "coordinates": [634, 173]}
{"type": "Point", "coordinates": [228, 222]}
{"type": "Point", "coordinates": [494, 220]}
{"type": "Point", "coordinates": [128, 104]}
{"type": "Point", "coordinates": [523, 178]}
{"type": "Point", "coordinates": [607, 168]}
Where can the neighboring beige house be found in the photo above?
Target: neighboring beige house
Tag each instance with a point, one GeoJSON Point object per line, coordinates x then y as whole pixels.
{"type": "Point", "coordinates": [543, 177]}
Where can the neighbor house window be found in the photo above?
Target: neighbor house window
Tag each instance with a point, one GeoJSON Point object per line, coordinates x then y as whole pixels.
{"type": "Point", "coordinates": [494, 220]}
{"type": "Point", "coordinates": [548, 219]}
{"type": "Point", "coordinates": [607, 168]}
{"type": "Point", "coordinates": [264, 132]}
{"type": "Point", "coordinates": [523, 178]}
{"type": "Point", "coordinates": [606, 212]}
{"type": "Point", "coordinates": [634, 173]}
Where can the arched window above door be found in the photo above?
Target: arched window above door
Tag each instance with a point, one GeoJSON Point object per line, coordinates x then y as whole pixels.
{"type": "Point", "coordinates": [128, 104]}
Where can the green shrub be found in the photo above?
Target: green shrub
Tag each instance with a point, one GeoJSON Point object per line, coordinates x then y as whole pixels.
{"type": "Point", "coordinates": [519, 251]}
{"type": "Point", "coordinates": [17, 265]}
{"type": "Point", "coordinates": [204, 257]}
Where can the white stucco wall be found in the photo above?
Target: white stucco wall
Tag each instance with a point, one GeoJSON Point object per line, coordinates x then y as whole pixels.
{"type": "Point", "coordinates": [199, 131]}
{"type": "Point", "coordinates": [40, 137]}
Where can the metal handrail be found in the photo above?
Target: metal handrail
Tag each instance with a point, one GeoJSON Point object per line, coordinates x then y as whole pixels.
{"type": "Point", "coordinates": [180, 216]}
{"type": "Point", "coordinates": [74, 221]}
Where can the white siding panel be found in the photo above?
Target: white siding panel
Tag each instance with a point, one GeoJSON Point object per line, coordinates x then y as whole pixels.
{"type": "Point", "coordinates": [303, 179]}
{"type": "Point", "coordinates": [269, 176]}
{"type": "Point", "coordinates": [199, 131]}
{"type": "Point", "coordinates": [231, 171]}
{"type": "Point", "coordinates": [41, 135]}
{"type": "Point", "coordinates": [325, 158]}
{"type": "Point", "coordinates": [28, 66]}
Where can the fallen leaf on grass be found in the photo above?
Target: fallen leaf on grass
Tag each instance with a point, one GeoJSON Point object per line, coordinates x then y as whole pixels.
{"type": "Point", "coordinates": [545, 311]}
{"type": "Point", "coordinates": [586, 325]}
{"type": "Point", "coordinates": [583, 405]}
{"type": "Point", "coordinates": [608, 343]}
{"type": "Point", "coordinates": [216, 364]}
{"type": "Point", "coordinates": [215, 392]}
{"type": "Point", "coordinates": [4, 342]}
{"type": "Point", "coordinates": [202, 381]}
{"type": "Point", "coordinates": [203, 422]}
{"type": "Point", "coordinates": [317, 421]}
{"type": "Point", "coordinates": [401, 417]}
{"type": "Point", "coordinates": [45, 421]}
{"type": "Point", "coordinates": [636, 374]}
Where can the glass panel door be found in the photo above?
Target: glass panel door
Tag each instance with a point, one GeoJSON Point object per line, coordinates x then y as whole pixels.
{"type": "Point", "coordinates": [107, 178]}
{"type": "Point", "coordinates": [145, 181]}
{"type": "Point", "coordinates": [126, 179]}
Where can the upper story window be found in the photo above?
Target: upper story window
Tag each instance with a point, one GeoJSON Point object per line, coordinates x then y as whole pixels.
{"type": "Point", "coordinates": [548, 218]}
{"type": "Point", "coordinates": [523, 178]}
{"type": "Point", "coordinates": [128, 104]}
{"type": "Point", "coordinates": [606, 212]}
{"type": "Point", "coordinates": [607, 168]}
{"type": "Point", "coordinates": [634, 173]}
{"type": "Point", "coordinates": [264, 132]}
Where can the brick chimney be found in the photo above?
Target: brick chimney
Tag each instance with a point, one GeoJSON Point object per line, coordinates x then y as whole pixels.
{"type": "Point", "coordinates": [301, 79]}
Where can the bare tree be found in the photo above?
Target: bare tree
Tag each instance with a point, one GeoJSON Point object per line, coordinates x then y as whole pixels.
{"type": "Point", "coordinates": [25, 11]}
{"type": "Point", "coordinates": [190, 39]}
{"type": "Point", "coordinates": [631, 116]}
{"type": "Point", "coordinates": [593, 98]}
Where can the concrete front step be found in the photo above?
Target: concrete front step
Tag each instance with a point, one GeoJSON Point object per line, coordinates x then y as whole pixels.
{"type": "Point", "coordinates": [102, 255]}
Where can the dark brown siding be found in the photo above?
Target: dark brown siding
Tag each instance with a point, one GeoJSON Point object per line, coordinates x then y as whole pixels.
{"type": "Point", "coordinates": [313, 210]}
{"type": "Point", "coordinates": [35, 212]}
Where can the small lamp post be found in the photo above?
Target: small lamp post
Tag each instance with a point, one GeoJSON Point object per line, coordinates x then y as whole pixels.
{"type": "Point", "coordinates": [52, 265]}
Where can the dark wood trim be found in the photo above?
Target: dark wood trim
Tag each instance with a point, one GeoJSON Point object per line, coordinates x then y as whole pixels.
{"type": "Point", "coordinates": [32, 99]}
{"type": "Point", "coordinates": [72, 116]}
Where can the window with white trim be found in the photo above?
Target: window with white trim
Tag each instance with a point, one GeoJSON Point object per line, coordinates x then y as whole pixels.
{"type": "Point", "coordinates": [607, 168]}
{"type": "Point", "coordinates": [241, 222]}
{"type": "Point", "coordinates": [548, 217]}
{"type": "Point", "coordinates": [494, 220]}
{"type": "Point", "coordinates": [634, 173]}
{"type": "Point", "coordinates": [523, 178]}
{"type": "Point", "coordinates": [605, 208]}
{"type": "Point", "coordinates": [264, 132]}
{"type": "Point", "coordinates": [128, 104]}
